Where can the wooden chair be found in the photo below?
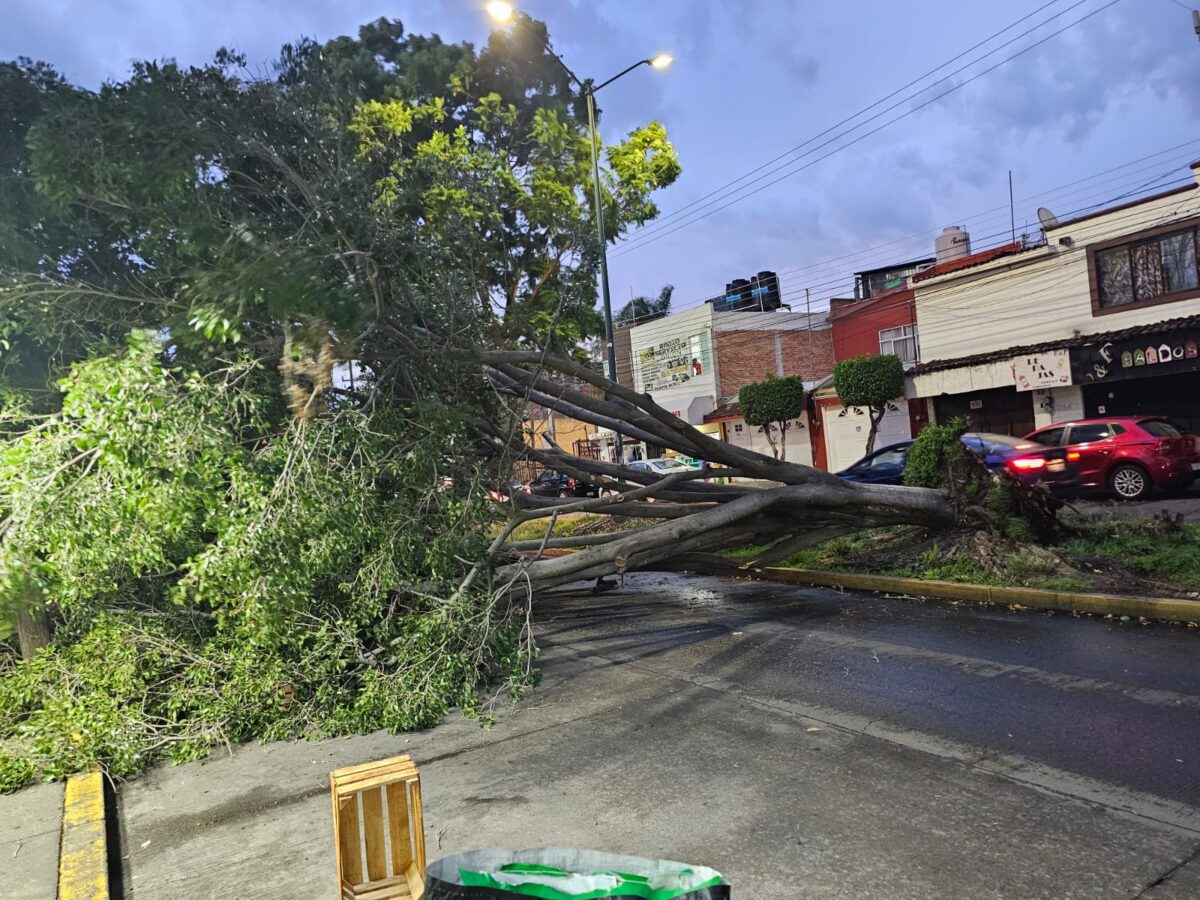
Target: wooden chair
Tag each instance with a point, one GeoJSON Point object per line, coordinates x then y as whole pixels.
{"type": "Point", "coordinates": [379, 831]}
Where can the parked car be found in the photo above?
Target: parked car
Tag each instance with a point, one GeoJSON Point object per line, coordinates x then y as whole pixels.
{"type": "Point", "coordinates": [555, 484]}
{"type": "Point", "coordinates": [1028, 461]}
{"type": "Point", "coordinates": [663, 465]}
{"type": "Point", "coordinates": [1129, 455]}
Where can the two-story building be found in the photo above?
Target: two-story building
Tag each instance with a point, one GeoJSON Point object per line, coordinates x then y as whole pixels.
{"type": "Point", "coordinates": [695, 361]}
{"type": "Point", "coordinates": [879, 319]}
{"type": "Point", "coordinates": [1103, 318]}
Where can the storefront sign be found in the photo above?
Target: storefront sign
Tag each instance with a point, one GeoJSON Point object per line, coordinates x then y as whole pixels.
{"type": "Point", "coordinates": [1042, 370]}
{"type": "Point", "coordinates": [674, 362]}
{"type": "Point", "coordinates": [1161, 354]}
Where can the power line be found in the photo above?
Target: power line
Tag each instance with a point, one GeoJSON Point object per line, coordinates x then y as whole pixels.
{"type": "Point", "coordinates": [967, 307]}
{"type": "Point", "coordinates": [651, 237]}
{"type": "Point", "coordinates": [865, 109]}
{"type": "Point", "coordinates": [848, 280]}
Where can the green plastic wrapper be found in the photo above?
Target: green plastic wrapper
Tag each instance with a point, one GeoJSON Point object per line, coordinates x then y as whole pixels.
{"type": "Point", "coordinates": [556, 873]}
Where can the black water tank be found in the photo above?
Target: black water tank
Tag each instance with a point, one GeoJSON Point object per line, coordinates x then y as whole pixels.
{"type": "Point", "coordinates": [765, 291]}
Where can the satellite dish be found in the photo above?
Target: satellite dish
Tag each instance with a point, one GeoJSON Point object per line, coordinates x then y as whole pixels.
{"type": "Point", "coordinates": [1047, 218]}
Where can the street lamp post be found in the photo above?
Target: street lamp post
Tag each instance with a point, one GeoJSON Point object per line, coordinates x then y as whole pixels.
{"type": "Point", "coordinates": [502, 12]}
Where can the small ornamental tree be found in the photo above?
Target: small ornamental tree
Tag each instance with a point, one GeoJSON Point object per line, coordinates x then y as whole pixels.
{"type": "Point", "coordinates": [771, 405]}
{"type": "Point", "coordinates": [871, 382]}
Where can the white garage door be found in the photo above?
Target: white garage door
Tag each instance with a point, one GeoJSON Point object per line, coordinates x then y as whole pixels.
{"type": "Point", "coordinates": [846, 436]}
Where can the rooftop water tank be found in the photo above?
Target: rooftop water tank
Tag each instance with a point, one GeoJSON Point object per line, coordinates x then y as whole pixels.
{"type": "Point", "coordinates": [953, 243]}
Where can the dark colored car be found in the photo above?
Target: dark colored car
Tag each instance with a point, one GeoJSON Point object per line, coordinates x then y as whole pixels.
{"type": "Point", "coordinates": [1028, 461]}
{"type": "Point", "coordinates": [1129, 455]}
{"type": "Point", "coordinates": [555, 484]}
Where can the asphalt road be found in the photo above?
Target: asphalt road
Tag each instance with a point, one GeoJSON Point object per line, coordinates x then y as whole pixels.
{"type": "Point", "coordinates": [806, 743]}
{"type": "Point", "coordinates": [1111, 701]}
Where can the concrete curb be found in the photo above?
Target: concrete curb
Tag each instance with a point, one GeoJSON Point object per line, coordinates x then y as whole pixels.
{"type": "Point", "coordinates": [83, 854]}
{"type": "Point", "coordinates": [1162, 608]}
{"type": "Point", "coordinates": [1100, 604]}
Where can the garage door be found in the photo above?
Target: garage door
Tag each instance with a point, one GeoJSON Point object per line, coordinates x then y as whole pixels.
{"type": "Point", "coordinates": [846, 435]}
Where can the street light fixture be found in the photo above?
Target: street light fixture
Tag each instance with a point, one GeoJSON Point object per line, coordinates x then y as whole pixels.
{"type": "Point", "coordinates": [499, 10]}
{"type": "Point", "coordinates": [503, 12]}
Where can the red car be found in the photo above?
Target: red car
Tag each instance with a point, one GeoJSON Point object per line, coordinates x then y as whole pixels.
{"type": "Point", "coordinates": [1129, 455]}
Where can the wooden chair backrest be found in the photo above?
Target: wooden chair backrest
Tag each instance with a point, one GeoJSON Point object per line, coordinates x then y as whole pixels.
{"type": "Point", "coordinates": [379, 830]}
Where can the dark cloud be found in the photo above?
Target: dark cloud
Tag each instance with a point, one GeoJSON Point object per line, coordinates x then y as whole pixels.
{"type": "Point", "coordinates": [752, 81]}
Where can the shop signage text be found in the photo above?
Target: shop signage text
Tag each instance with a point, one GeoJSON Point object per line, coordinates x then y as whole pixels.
{"type": "Point", "coordinates": [1042, 370]}
{"type": "Point", "coordinates": [1161, 354]}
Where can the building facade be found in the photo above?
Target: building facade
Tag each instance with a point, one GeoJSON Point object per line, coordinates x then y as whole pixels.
{"type": "Point", "coordinates": [695, 361]}
{"type": "Point", "coordinates": [1101, 319]}
{"type": "Point", "coordinates": [880, 320]}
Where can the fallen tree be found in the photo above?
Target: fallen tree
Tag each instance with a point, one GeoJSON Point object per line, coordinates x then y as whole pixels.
{"type": "Point", "coordinates": [808, 506]}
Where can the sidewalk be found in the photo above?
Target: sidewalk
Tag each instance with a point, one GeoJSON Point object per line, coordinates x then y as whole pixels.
{"type": "Point", "coordinates": [30, 825]}
{"type": "Point", "coordinates": [629, 746]}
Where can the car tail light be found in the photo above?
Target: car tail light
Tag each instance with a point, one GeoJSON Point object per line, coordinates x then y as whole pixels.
{"type": "Point", "coordinates": [1025, 463]}
{"type": "Point", "coordinates": [1073, 455]}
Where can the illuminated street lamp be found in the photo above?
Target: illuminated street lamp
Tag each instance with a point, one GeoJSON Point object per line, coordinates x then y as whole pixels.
{"type": "Point", "coordinates": [503, 12]}
{"type": "Point", "coordinates": [500, 11]}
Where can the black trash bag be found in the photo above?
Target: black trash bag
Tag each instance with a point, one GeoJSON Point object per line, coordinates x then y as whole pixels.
{"type": "Point", "coordinates": [555, 873]}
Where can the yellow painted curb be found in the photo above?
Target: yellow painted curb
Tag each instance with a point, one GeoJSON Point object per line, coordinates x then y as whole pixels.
{"type": "Point", "coordinates": [1165, 608]}
{"type": "Point", "coordinates": [83, 855]}
{"type": "Point", "coordinates": [1169, 609]}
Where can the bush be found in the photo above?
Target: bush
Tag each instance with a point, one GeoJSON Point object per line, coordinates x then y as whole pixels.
{"type": "Point", "coordinates": [213, 580]}
{"type": "Point", "coordinates": [772, 404]}
{"type": "Point", "coordinates": [870, 381]}
{"type": "Point", "coordinates": [930, 456]}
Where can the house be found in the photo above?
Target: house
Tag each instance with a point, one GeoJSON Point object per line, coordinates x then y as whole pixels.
{"type": "Point", "coordinates": [1103, 318]}
{"type": "Point", "coordinates": [879, 319]}
{"type": "Point", "coordinates": [694, 361]}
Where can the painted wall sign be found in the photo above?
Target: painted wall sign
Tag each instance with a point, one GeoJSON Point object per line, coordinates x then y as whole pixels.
{"type": "Point", "coordinates": [1042, 370]}
{"type": "Point", "coordinates": [1137, 357]}
{"type": "Point", "coordinates": [674, 362]}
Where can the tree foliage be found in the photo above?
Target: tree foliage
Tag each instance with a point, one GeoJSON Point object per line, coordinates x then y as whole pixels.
{"type": "Point", "coordinates": [245, 446]}
{"type": "Point", "coordinates": [772, 405]}
{"type": "Point", "coordinates": [646, 309]}
{"type": "Point", "coordinates": [872, 383]}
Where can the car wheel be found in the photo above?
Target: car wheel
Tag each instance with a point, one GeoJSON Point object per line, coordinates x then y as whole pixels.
{"type": "Point", "coordinates": [1130, 482]}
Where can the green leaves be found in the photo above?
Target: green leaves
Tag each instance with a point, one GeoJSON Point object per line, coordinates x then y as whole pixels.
{"type": "Point", "coordinates": [870, 381]}
{"type": "Point", "coordinates": [772, 400]}
{"type": "Point", "coordinates": [214, 577]}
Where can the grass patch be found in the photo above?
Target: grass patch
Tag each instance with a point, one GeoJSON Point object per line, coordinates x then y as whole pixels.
{"type": "Point", "coordinates": [1150, 549]}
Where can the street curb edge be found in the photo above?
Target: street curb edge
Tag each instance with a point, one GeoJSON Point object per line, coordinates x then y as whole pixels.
{"type": "Point", "coordinates": [1173, 610]}
{"type": "Point", "coordinates": [83, 852]}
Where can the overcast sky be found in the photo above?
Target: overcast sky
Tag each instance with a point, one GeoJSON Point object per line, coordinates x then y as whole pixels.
{"type": "Point", "coordinates": [755, 78]}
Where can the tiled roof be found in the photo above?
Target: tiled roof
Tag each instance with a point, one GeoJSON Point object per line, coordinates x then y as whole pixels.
{"type": "Point", "coordinates": [967, 262]}
{"type": "Point", "coordinates": [1081, 340]}
{"type": "Point", "coordinates": [726, 409]}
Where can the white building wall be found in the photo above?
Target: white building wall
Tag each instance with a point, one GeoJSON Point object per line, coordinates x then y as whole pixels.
{"type": "Point", "coordinates": [1057, 405]}
{"type": "Point", "coordinates": [1042, 294]}
{"type": "Point", "coordinates": [679, 338]}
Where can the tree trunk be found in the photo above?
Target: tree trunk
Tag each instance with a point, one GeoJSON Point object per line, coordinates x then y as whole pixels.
{"type": "Point", "coordinates": [875, 417]}
{"type": "Point", "coordinates": [33, 629]}
{"type": "Point", "coordinates": [689, 517]}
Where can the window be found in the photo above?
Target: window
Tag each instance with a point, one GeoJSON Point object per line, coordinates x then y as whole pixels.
{"type": "Point", "coordinates": [1051, 437]}
{"type": "Point", "coordinates": [901, 342]}
{"type": "Point", "coordinates": [737, 429]}
{"type": "Point", "coordinates": [1159, 428]}
{"type": "Point", "coordinates": [1154, 270]}
{"type": "Point", "coordinates": [1085, 434]}
{"type": "Point", "coordinates": [888, 459]}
